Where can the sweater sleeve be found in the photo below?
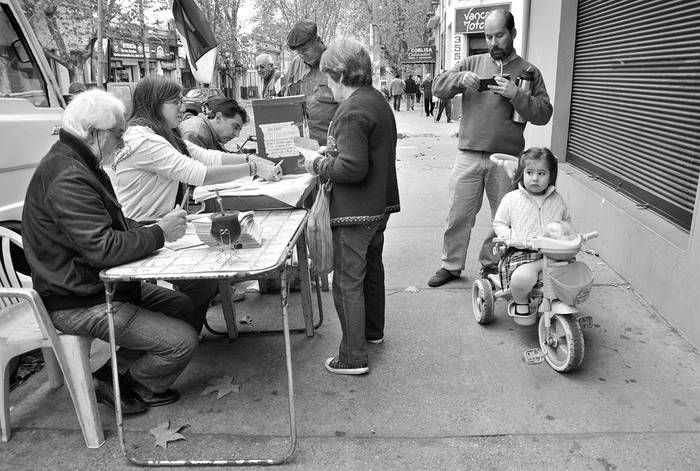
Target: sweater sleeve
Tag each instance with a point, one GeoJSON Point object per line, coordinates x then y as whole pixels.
{"type": "Point", "coordinates": [501, 221]}
{"type": "Point", "coordinates": [449, 84]}
{"type": "Point", "coordinates": [534, 106]}
{"type": "Point", "coordinates": [150, 152]}
{"type": "Point", "coordinates": [352, 161]}
{"type": "Point", "coordinates": [209, 157]}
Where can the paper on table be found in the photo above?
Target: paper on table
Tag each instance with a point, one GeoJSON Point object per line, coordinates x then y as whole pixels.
{"type": "Point", "coordinates": [288, 190]}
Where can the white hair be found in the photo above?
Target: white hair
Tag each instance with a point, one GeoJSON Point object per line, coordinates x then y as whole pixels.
{"type": "Point", "coordinates": [264, 59]}
{"type": "Point", "coordinates": [93, 109]}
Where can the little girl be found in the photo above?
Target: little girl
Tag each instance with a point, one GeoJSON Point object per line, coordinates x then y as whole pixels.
{"type": "Point", "coordinates": [523, 213]}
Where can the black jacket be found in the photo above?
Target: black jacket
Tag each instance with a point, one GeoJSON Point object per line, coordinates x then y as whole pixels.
{"type": "Point", "coordinates": [73, 227]}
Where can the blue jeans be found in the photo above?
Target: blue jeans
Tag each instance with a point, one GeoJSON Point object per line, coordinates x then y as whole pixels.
{"type": "Point", "coordinates": [157, 339]}
{"type": "Point", "coordinates": [358, 287]}
{"type": "Point", "coordinates": [472, 174]}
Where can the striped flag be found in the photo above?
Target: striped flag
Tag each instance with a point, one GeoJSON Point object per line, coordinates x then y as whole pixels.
{"type": "Point", "coordinates": [197, 38]}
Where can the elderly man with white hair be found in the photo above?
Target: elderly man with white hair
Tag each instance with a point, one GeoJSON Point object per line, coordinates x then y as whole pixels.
{"type": "Point", "coordinates": [73, 227]}
{"type": "Point", "coordinates": [270, 77]}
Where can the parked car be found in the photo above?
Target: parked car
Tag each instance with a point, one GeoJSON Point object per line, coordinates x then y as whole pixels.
{"type": "Point", "coordinates": [31, 105]}
{"type": "Point", "coordinates": [195, 99]}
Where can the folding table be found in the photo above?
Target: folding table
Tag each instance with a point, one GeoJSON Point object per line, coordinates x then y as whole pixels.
{"type": "Point", "coordinates": [283, 230]}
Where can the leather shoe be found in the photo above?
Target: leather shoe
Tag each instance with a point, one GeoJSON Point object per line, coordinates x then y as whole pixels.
{"type": "Point", "coordinates": [149, 398]}
{"type": "Point", "coordinates": [441, 277]}
{"type": "Point", "coordinates": [104, 392]}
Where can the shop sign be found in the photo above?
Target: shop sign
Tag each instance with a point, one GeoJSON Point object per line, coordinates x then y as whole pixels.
{"type": "Point", "coordinates": [128, 49]}
{"type": "Point", "coordinates": [420, 55]}
{"type": "Point", "coordinates": [471, 20]}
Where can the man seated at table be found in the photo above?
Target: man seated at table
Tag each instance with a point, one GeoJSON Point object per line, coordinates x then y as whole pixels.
{"type": "Point", "coordinates": [223, 123]}
{"type": "Point", "coordinates": [73, 228]}
{"type": "Point", "coordinates": [211, 131]}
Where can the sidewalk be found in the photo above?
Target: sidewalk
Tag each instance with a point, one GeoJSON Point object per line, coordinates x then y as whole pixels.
{"type": "Point", "coordinates": [443, 393]}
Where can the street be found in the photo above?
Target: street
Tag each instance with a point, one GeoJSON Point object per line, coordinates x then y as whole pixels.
{"type": "Point", "coordinates": [443, 392]}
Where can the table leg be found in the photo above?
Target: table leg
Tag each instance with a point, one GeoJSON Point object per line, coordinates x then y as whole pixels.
{"type": "Point", "coordinates": [288, 362]}
{"type": "Point", "coordinates": [228, 308]}
{"type": "Point", "coordinates": [109, 294]}
{"type": "Point", "coordinates": [305, 285]}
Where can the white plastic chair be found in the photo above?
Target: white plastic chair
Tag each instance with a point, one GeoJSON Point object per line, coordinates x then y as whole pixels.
{"type": "Point", "coordinates": [24, 326]}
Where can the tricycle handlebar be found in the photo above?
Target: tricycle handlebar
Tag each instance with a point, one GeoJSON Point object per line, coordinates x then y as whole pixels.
{"type": "Point", "coordinates": [590, 235]}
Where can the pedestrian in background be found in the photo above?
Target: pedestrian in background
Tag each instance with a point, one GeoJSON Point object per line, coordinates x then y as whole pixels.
{"type": "Point", "coordinates": [419, 91]}
{"type": "Point", "coordinates": [444, 104]}
{"type": "Point", "coordinates": [74, 89]}
{"type": "Point", "coordinates": [270, 77]}
{"type": "Point", "coordinates": [411, 89]}
{"type": "Point", "coordinates": [486, 127]}
{"type": "Point", "coordinates": [397, 88]}
{"type": "Point", "coordinates": [360, 162]}
{"type": "Point", "coordinates": [304, 77]}
{"type": "Point", "coordinates": [427, 87]}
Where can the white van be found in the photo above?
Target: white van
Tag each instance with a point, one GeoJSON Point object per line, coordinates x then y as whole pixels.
{"type": "Point", "coordinates": [30, 109]}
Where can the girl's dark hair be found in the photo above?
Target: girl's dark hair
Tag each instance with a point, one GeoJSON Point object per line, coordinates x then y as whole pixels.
{"type": "Point", "coordinates": [148, 97]}
{"type": "Point", "coordinates": [536, 153]}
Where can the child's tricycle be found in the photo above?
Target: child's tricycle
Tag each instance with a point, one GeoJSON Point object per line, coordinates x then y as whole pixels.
{"type": "Point", "coordinates": [563, 284]}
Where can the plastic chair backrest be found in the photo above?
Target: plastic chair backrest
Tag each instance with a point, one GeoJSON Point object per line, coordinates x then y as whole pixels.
{"type": "Point", "coordinates": [10, 279]}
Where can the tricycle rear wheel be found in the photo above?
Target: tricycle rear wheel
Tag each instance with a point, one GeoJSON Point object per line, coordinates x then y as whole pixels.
{"type": "Point", "coordinates": [482, 301]}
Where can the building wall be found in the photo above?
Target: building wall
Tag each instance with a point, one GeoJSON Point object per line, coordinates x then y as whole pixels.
{"type": "Point", "coordinates": [658, 259]}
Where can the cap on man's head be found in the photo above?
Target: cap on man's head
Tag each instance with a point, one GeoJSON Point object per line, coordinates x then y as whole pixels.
{"type": "Point", "coordinates": [302, 32]}
{"type": "Point", "coordinates": [76, 87]}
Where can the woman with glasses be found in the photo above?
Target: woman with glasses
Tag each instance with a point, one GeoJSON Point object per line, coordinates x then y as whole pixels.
{"type": "Point", "coordinates": [155, 159]}
{"type": "Point", "coordinates": [147, 172]}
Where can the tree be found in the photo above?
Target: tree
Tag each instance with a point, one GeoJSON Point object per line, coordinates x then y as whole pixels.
{"type": "Point", "coordinates": [401, 22]}
{"type": "Point", "coordinates": [66, 31]}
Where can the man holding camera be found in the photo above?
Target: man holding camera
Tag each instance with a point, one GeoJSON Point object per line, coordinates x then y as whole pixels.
{"type": "Point", "coordinates": [486, 127]}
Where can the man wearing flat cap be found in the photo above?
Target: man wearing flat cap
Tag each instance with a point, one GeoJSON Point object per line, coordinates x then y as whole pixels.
{"type": "Point", "coordinates": [304, 77]}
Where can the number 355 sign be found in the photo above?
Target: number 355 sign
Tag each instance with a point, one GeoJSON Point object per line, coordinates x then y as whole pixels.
{"type": "Point", "coordinates": [471, 20]}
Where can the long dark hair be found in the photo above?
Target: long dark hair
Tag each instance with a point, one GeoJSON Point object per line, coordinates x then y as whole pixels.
{"type": "Point", "coordinates": [536, 153]}
{"type": "Point", "coordinates": [149, 95]}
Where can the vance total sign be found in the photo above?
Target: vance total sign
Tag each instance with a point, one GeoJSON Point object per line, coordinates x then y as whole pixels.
{"type": "Point", "coordinates": [471, 20]}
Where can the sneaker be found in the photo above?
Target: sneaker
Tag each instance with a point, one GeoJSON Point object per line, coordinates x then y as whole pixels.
{"type": "Point", "coordinates": [376, 341]}
{"type": "Point", "coordinates": [441, 277]}
{"type": "Point", "coordinates": [334, 365]}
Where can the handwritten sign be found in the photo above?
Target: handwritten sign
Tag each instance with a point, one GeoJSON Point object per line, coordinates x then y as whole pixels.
{"type": "Point", "coordinates": [471, 20]}
{"type": "Point", "coordinates": [279, 139]}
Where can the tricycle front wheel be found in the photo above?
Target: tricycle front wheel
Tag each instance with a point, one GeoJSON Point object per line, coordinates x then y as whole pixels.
{"type": "Point", "coordinates": [564, 345]}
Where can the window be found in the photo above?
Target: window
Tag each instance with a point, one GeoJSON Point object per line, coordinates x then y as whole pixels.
{"type": "Point", "coordinates": [20, 76]}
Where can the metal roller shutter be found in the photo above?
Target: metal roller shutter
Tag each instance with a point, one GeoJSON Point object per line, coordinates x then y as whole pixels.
{"type": "Point", "coordinates": [635, 107]}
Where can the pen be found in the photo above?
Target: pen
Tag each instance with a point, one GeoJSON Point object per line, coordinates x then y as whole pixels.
{"type": "Point", "coordinates": [185, 197]}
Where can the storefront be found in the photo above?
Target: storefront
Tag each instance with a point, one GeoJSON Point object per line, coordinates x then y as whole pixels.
{"type": "Point", "coordinates": [624, 84]}
{"type": "Point", "coordinates": [127, 60]}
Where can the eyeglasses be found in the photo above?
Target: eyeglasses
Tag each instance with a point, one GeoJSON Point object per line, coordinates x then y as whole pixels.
{"type": "Point", "coordinates": [262, 67]}
{"type": "Point", "coordinates": [118, 133]}
{"type": "Point", "coordinates": [177, 102]}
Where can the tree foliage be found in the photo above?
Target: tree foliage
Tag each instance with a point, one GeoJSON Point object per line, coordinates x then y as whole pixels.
{"type": "Point", "coordinates": [66, 31]}
{"type": "Point", "coordinates": [401, 23]}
